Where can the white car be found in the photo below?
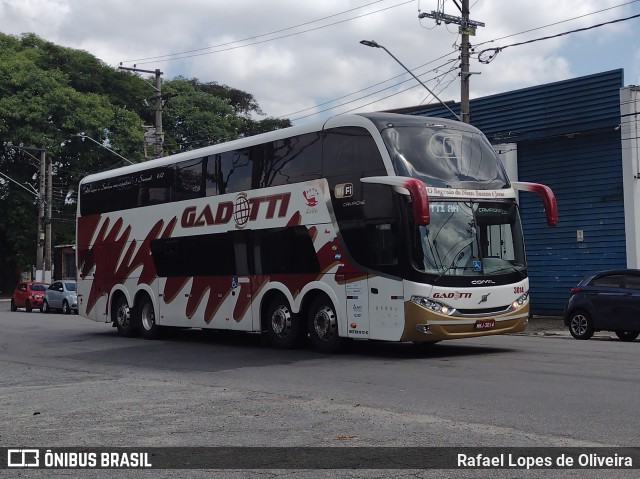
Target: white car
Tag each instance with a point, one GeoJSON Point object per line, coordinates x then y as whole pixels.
{"type": "Point", "coordinates": [62, 296]}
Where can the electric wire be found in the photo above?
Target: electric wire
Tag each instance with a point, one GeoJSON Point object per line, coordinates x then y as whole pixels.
{"type": "Point", "coordinates": [497, 50]}
{"type": "Point", "coordinates": [179, 56]}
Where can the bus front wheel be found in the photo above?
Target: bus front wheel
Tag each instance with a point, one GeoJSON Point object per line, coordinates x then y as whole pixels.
{"type": "Point", "coordinates": [283, 327]}
{"type": "Point", "coordinates": [121, 316]}
{"type": "Point", "coordinates": [323, 326]}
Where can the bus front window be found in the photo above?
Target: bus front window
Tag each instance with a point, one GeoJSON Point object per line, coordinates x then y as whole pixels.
{"type": "Point", "coordinates": [468, 238]}
{"type": "Point", "coordinates": [445, 157]}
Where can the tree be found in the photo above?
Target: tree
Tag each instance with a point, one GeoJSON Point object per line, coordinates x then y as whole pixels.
{"type": "Point", "coordinates": [49, 94]}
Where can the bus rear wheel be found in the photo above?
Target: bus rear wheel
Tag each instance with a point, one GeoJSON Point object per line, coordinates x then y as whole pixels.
{"type": "Point", "coordinates": [323, 326]}
{"type": "Point", "coordinates": [146, 318]}
{"type": "Point", "coordinates": [121, 317]}
{"type": "Point", "coordinates": [283, 327]}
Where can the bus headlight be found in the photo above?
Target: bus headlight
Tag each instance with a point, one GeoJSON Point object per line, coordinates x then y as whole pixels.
{"type": "Point", "coordinates": [520, 301]}
{"type": "Point", "coordinates": [432, 305]}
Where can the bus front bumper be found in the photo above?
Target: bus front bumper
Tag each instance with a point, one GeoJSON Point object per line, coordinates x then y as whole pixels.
{"type": "Point", "coordinates": [422, 325]}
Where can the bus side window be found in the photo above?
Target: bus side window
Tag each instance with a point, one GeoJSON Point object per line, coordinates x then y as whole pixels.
{"type": "Point", "coordinates": [285, 250]}
{"type": "Point", "coordinates": [384, 247]}
{"type": "Point", "coordinates": [350, 150]}
{"type": "Point", "coordinates": [235, 172]}
{"type": "Point", "coordinates": [189, 180]}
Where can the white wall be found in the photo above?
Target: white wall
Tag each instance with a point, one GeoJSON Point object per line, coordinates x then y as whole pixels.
{"type": "Point", "coordinates": [629, 132]}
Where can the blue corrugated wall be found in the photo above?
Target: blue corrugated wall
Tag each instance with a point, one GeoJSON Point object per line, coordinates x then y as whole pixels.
{"type": "Point", "coordinates": [585, 173]}
{"type": "Point", "coordinates": [567, 139]}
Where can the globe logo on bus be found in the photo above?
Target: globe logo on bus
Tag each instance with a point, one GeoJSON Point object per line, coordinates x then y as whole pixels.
{"type": "Point", "coordinates": [241, 210]}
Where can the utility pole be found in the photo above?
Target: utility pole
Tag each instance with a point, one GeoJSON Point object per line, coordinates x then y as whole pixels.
{"type": "Point", "coordinates": [159, 136]}
{"type": "Point", "coordinates": [466, 28]}
{"type": "Point", "coordinates": [44, 195]}
{"type": "Point", "coordinates": [41, 216]}
{"type": "Point", "coordinates": [48, 250]}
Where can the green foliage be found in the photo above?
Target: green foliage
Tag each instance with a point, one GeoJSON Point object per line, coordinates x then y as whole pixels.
{"type": "Point", "coordinates": [49, 94]}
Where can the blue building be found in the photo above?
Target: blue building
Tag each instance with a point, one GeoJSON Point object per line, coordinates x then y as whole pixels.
{"type": "Point", "coordinates": [581, 138]}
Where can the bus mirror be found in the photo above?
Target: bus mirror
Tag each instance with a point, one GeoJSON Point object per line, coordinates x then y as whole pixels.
{"type": "Point", "coordinates": [548, 198]}
{"type": "Point", "coordinates": [419, 200]}
{"type": "Point", "coordinates": [417, 192]}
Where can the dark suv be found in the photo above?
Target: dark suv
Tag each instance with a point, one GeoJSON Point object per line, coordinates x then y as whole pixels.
{"type": "Point", "coordinates": [28, 295]}
{"type": "Point", "coordinates": [605, 301]}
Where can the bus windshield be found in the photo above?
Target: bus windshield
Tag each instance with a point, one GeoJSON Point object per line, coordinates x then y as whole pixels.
{"type": "Point", "coordinates": [445, 157]}
{"type": "Point", "coordinates": [469, 238]}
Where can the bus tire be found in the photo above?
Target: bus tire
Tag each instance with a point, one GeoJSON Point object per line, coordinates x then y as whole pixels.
{"type": "Point", "coordinates": [284, 329]}
{"type": "Point", "coordinates": [323, 326]}
{"type": "Point", "coordinates": [121, 317]}
{"type": "Point", "coordinates": [146, 318]}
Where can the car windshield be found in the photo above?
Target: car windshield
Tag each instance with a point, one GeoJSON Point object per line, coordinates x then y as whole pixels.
{"type": "Point", "coordinates": [70, 286]}
{"type": "Point", "coordinates": [469, 238]}
{"type": "Point", "coordinates": [39, 287]}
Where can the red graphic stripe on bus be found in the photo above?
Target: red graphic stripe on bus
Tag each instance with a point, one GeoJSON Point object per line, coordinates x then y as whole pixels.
{"type": "Point", "coordinates": [109, 246]}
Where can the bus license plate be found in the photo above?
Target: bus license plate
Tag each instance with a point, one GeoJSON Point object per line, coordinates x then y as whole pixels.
{"type": "Point", "coordinates": [485, 323]}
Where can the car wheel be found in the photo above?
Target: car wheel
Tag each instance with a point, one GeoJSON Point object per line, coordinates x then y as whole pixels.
{"type": "Point", "coordinates": [65, 308]}
{"type": "Point", "coordinates": [146, 318]}
{"type": "Point", "coordinates": [283, 327]}
{"type": "Point", "coordinates": [121, 316]}
{"type": "Point", "coordinates": [45, 307]}
{"type": "Point", "coordinates": [323, 326]}
{"type": "Point", "coordinates": [14, 308]}
{"type": "Point", "coordinates": [627, 336]}
{"type": "Point", "coordinates": [581, 325]}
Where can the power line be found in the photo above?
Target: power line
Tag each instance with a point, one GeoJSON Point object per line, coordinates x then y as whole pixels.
{"type": "Point", "coordinates": [499, 49]}
{"type": "Point", "coordinates": [374, 85]}
{"type": "Point", "coordinates": [556, 23]}
{"type": "Point", "coordinates": [255, 36]}
{"type": "Point", "coordinates": [180, 56]}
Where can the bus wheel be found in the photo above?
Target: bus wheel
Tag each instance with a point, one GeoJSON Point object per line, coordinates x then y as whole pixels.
{"type": "Point", "coordinates": [121, 316]}
{"type": "Point", "coordinates": [323, 326]}
{"type": "Point", "coordinates": [283, 327]}
{"type": "Point", "coordinates": [146, 317]}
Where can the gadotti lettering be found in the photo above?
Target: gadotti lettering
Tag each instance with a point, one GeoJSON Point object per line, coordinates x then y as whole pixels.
{"type": "Point", "coordinates": [223, 212]}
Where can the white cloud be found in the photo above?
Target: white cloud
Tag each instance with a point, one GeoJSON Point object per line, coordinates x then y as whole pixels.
{"type": "Point", "coordinates": [304, 70]}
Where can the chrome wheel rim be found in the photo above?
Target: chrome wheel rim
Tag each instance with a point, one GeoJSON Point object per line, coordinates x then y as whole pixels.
{"type": "Point", "coordinates": [324, 323]}
{"type": "Point", "coordinates": [281, 321]}
{"type": "Point", "coordinates": [147, 317]}
{"type": "Point", "coordinates": [123, 315]}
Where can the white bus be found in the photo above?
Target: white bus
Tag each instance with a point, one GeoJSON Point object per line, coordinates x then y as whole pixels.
{"type": "Point", "coordinates": [366, 226]}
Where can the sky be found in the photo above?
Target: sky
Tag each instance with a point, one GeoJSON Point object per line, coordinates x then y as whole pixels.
{"type": "Point", "coordinates": [302, 60]}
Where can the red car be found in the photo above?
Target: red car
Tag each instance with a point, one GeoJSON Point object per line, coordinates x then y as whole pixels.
{"type": "Point", "coordinates": [28, 295]}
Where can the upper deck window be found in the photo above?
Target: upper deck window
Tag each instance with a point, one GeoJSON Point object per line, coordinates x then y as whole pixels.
{"type": "Point", "coordinates": [444, 157]}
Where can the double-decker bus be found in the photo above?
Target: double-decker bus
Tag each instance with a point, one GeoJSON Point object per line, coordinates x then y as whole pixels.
{"type": "Point", "coordinates": [365, 226]}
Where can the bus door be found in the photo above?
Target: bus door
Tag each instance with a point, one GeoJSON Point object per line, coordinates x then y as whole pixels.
{"type": "Point", "coordinates": [386, 297]}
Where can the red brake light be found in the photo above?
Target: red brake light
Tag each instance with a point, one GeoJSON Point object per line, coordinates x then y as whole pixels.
{"type": "Point", "coordinates": [573, 291]}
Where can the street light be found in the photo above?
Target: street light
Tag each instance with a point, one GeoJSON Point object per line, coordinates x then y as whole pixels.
{"type": "Point", "coordinates": [374, 44]}
{"type": "Point", "coordinates": [82, 135]}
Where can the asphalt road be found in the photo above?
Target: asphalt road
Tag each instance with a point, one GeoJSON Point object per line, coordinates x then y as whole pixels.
{"type": "Point", "coordinates": [67, 381]}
